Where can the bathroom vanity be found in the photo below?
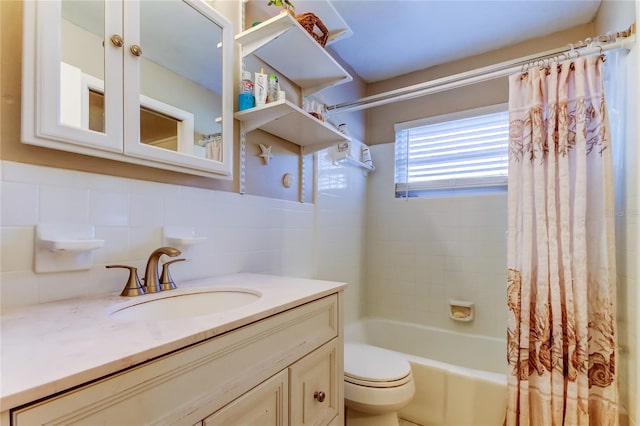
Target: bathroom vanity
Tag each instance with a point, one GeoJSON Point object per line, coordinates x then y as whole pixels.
{"type": "Point", "coordinates": [277, 360]}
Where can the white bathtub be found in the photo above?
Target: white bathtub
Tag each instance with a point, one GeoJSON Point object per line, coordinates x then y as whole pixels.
{"type": "Point", "coordinates": [460, 378]}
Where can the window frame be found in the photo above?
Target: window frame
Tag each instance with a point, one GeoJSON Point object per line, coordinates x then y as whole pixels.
{"type": "Point", "coordinates": [496, 183]}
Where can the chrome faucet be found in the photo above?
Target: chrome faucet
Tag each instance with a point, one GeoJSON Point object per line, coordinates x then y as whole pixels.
{"type": "Point", "coordinates": [151, 275]}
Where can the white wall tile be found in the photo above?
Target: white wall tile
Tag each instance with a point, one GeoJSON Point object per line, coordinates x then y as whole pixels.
{"type": "Point", "coordinates": [64, 204]}
{"type": "Point", "coordinates": [146, 210]}
{"type": "Point", "coordinates": [19, 172]}
{"type": "Point", "coordinates": [448, 247]}
{"type": "Point", "coordinates": [109, 208]}
{"type": "Point", "coordinates": [19, 203]}
{"type": "Point", "coordinates": [18, 289]}
{"type": "Point", "coordinates": [116, 245]}
{"type": "Point", "coordinates": [245, 233]}
{"type": "Point", "coordinates": [66, 285]}
{"type": "Point", "coordinates": [143, 240]}
{"type": "Point", "coordinates": [17, 248]}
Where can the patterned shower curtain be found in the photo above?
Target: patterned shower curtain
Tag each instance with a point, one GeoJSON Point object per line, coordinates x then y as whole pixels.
{"type": "Point", "coordinates": [561, 279]}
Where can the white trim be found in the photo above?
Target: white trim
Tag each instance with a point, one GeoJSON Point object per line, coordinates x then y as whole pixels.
{"type": "Point", "coordinates": [40, 124]}
{"type": "Point", "coordinates": [185, 119]}
{"type": "Point", "coordinates": [186, 137]}
{"type": "Point", "coordinates": [452, 116]}
{"type": "Point", "coordinates": [452, 168]}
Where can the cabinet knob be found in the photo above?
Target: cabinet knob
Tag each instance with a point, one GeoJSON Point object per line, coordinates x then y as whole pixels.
{"type": "Point", "coordinates": [117, 40]}
{"type": "Point", "coordinates": [136, 50]}
{"type": "Point", "coordinates": [319, 396]}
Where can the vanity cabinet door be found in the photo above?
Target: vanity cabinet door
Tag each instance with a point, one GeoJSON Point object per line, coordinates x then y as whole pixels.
{"type": "Point", "coordinates": [314, 383]}
{"type": "Point", "coordinates": [266, 405]}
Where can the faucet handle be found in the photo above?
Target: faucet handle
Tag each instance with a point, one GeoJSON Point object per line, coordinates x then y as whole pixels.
{"type": "Point", "coordinates": [166, 280]}
{"type": "Point", "coordinates": [133, 286]}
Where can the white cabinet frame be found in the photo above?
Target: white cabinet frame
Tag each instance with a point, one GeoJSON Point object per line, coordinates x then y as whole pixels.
{"type": "Point", "coordinates": [121, 139]}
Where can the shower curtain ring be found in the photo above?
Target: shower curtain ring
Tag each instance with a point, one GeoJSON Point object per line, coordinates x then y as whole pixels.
{"type": "Point", "coordinates": [603, 57]}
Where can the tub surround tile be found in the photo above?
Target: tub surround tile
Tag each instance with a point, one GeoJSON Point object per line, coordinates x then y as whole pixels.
{"type": "Point", "coordinates": [84, 343]}
{"type": "Point", "coordinates": [447, 247]}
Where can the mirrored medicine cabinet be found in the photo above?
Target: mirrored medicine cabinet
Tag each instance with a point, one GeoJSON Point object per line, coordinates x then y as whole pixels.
{"type": "Point", "coordinates": [147, 82]}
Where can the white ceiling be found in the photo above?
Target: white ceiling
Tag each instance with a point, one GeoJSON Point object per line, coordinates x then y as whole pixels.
{"type": "Point", "coordinates": [394, 37]}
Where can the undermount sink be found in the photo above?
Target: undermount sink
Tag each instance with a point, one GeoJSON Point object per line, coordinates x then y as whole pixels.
{"type": "Point", "coordinates": [186, 305]}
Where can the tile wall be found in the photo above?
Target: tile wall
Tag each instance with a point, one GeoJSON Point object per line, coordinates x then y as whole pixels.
{"type": "Point", "coordinates": [245, 233]}
{"type": "Point", "coordinates": [422, 252]}
{"type": "Point", "coordinates": [626, 158]}
{"type": "Point", "coordinates": [340, 229]}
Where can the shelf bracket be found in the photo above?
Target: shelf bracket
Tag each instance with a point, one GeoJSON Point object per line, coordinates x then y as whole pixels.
{"type": "Point", "coordinates": [301, 174]}
{"type": "Point", "coordinates": [242, 181]}
{"type": "Point", "coordinates": [315, 89]}
{"type": "Point", "coordinates": [248, 49]}
{"type": "Point", "coordinates": [310, 149]}
{"type": "Point", "coordinates": [275, 113]}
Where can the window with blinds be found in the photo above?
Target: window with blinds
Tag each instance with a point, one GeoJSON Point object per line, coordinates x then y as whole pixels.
{"type": "Point", "coordinates": [454, 151]}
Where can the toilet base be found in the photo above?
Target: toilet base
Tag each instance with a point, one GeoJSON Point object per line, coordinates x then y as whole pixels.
{"type": "Point", "coordinates": [358, 418]}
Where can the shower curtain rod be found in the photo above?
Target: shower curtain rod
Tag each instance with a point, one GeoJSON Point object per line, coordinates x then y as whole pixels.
{"type": "Point", "coordinates": [619, 40]}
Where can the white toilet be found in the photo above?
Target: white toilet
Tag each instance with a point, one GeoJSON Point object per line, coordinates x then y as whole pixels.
{"type": "Point", "coordinates": [377, 383]}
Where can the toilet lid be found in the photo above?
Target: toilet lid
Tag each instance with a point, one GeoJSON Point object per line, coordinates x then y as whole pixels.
{"type": "Point", "coordinates": [374, 364]}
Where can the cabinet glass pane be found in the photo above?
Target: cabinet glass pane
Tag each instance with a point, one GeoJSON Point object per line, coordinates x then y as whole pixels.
{"type": "Point", "coordinates": [82, 65]}
{"type": "Point", "coordinates": [180, 79]}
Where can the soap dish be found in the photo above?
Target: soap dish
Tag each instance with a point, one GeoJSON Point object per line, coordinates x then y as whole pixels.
{"type": "Point", "coordinates": [461, 310]}
{"type": "Point", "coordinates": [64, 247]}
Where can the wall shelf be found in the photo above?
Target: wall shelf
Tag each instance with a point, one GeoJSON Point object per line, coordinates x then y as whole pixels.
{"type": "Point", "coordinates": [283, 44]}
{"type": "Point", "coordinates": [323, 9]}
{"type": "Point", "coordinates": [290, 122]}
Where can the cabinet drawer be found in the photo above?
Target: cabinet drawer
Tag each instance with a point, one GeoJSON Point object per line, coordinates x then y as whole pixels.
{"type": "Point", "coordinates": [315, 382]}
{"type": "Point", "coordinates": [190, 384]}
{"type": "Point", "coordinates": [265, 405]}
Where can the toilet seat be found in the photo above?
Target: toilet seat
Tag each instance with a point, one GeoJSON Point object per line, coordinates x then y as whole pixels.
{"type": "Point", "coordinates": [374, 367]}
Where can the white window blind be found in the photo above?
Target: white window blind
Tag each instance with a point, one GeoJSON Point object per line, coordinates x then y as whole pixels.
{"type": "Point", "coordinates": [462, 150]}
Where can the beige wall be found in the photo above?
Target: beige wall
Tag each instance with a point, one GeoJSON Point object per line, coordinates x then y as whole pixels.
{"type": "Point", "coordinates": [380, 120]}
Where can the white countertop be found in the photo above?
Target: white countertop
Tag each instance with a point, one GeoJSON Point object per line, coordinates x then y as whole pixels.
{"type": "Point", "coordinates": [51, 347]}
